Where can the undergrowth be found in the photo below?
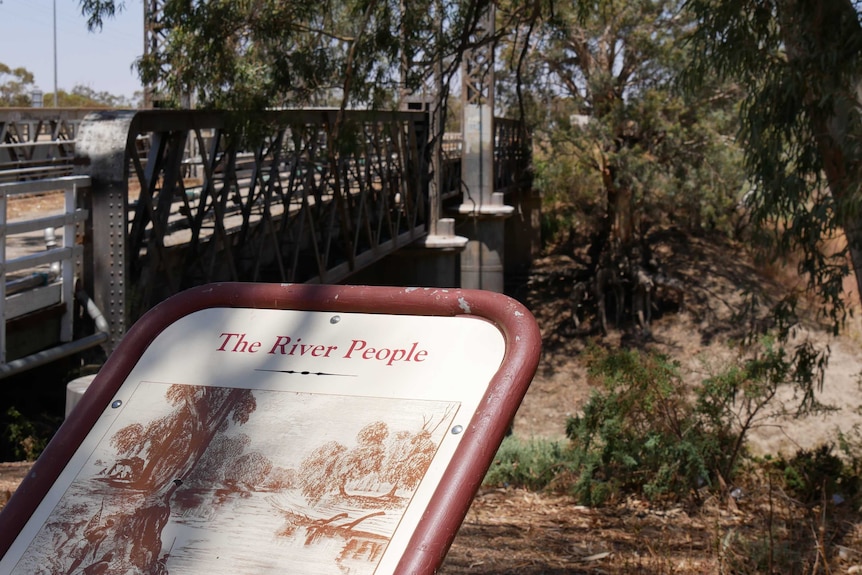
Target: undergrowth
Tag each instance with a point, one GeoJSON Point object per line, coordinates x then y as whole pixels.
{"type": "Point", "coordinates": [27, 436]}
{"type": "Point", "coordinates": [645, 434]}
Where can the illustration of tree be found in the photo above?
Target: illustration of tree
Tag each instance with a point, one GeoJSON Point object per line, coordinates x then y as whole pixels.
{"type": "Point", "coordinates": [320, 472]}
{"type": "Point", "coordinates": [170, 448]}
{"type": "Point", "coordinates": [129, 438]}
{"type": "Point", "coordinates": [173, 445]}
{"type": "Point", "coordinates": [135, 440]}
{"type": "Point", "coordinates": [364, 461]}
{"type": "Point", "coordinates": [223, 448]}
{"type": "Point", "coordinates": [409, 456]}
{"type": "Point", "coordinates": [249, 470]}
{"type": "Point", "coordinates": [379, 457]}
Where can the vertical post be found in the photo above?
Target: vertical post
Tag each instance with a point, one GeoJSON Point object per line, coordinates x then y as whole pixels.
{"type": "Point", "coordinates": [148, 32]}
{"type": "Point", "coordinates": [482, 207]}
{"type": "Point", "coordinates": [67, 266]}
{"type": "Point", "coordinates": [2, 277]}
{"type": "Point", "coordinates": [432, 260]}
{"type": "Point", "coordinates": [101, 151]}
{"type": "Point", "coordinates": [478, 121]}
{"type": "Point", "coordinates": [438, 127]}
{"type": "Point", "coordinates": [153, 40]}
{"type": "Point", "coordinates": [55, 53]}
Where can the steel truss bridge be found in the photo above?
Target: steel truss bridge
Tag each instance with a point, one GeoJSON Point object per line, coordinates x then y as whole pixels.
{"type": "Point", "coordinates": [159, 201]}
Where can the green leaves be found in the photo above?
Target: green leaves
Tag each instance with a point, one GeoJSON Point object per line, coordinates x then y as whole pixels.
{"type": "Point", "coordinates": [15, 86]}
{"type": "Point", "coordinates": [800, 65]}
{"type": "Point", "coordinates": [254, 54]}
{"type": "Point", "coordinates": [96, 11]}
{"type": "Point", "coordinates": [602, 92]}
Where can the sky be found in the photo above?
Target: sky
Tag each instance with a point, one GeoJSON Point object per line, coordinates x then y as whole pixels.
{"type": "Point", "coordinates": [101, 61]}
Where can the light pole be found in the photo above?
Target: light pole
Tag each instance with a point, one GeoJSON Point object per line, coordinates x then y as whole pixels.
{"type": "Point", "coordinates": [55, 53]}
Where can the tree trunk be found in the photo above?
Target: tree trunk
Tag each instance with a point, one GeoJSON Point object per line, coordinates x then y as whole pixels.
{"type": "Point", "coordinates": [823, 30]}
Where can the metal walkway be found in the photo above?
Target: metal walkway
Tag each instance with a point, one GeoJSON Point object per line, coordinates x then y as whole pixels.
{"type": "Point", "coordinates": [174, 199]}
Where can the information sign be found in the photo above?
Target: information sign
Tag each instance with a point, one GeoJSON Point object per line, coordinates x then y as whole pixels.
{"type": "Point", "coordinates": [259, 428]}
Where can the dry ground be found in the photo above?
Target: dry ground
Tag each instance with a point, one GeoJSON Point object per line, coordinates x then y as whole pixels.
{"type": "Point", "coordinates": [509, 531]}
{"type": "Point", "coordinates": [518, 532]}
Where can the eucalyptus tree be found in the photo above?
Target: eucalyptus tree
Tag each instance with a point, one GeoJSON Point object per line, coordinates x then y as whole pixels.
{"type": "Point", "coordinates": [601, 80]}
{"type": "Point", "coordinates": [81, 96]}
{"type": "Point", "coordinates": [253, 54]}
{"type": "Point", "coordinates": [799, 64]}
{"type": "Point", "coordinates": [15, 85]}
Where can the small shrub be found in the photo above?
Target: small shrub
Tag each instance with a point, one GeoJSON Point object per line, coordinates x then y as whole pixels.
{"type": "Point", "coordinates": [644, 431]}
{"type": "Point", "coordinates": [811, 475]}
{"type": "Point", "coordinates": [639, 432]}
{"type": "Point", "coordinates": [754, 551]}
{"type": "Point", "coordinates": [850, 446]}
{"type": "Point", "coordinates": [532, 464]}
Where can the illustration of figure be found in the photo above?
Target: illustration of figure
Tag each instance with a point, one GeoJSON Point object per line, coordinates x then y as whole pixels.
{"type": "Point", "coordinates": [147, 527]}
{"type": "Point", "coordinates": [134, 540]}
{"type": "Point", "coordinates": [95, 532]}
{"type": "Point", "coordinates": [161, 566]}
{"type": "Point", "coordinates": [97, 535]}
{"type": "Point", "coordinates": [126, 469]}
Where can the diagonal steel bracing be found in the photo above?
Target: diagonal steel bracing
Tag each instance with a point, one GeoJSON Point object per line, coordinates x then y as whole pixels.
{"type": "Point", "coordinates": [275, 200]}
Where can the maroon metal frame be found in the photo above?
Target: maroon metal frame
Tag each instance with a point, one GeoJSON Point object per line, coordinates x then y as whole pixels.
{"type": "Point", "coordinates": [463, 476]}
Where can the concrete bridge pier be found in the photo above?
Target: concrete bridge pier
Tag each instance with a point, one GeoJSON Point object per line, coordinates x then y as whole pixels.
{"type": "Point", "coordinates": [482, 210]}
{"type": "Point", "coordinates": [432, 261]}
{"type": "Point", "coordinates": [483, 260]}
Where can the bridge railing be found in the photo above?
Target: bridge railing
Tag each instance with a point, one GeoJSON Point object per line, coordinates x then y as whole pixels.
{"type": "Point", "coordinates": [512, 156]}
{"type": "Point", "coordinates": [38, 143]}
{"type": "Point", "coordinates": [182, 198]}
{"type": "Point", "coordinates": [38, 270]}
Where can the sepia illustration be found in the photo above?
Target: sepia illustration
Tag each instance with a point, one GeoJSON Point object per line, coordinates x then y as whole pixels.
{"type": "Point", "coordinates": [200, 479]}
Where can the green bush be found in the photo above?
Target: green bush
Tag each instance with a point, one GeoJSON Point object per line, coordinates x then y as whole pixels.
{"type": "Point", "coordinates": [812, 475]}
{"type": "Point", "coordinates": [639, 432]}
{"type": "Point", "coordinates": [532, 464]}
{"type": "Point", "coordinates": [571, 196]}
{"type": "Point", "coordinates": [645, 431]}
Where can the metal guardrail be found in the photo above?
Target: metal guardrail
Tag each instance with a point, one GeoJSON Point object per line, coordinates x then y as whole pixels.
{"type": "Point", "coordinates": [512, 156]}
{"type": "Point", "coordinates": [38, 143]}
{"type": "Point", "coordinates": [36, 160]}
{"type": "Point", "coordinates": [31, 279]}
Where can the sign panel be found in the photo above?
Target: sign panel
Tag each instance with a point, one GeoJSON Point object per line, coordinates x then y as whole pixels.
{"type": "Point", "coordinates": [248, 439]}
